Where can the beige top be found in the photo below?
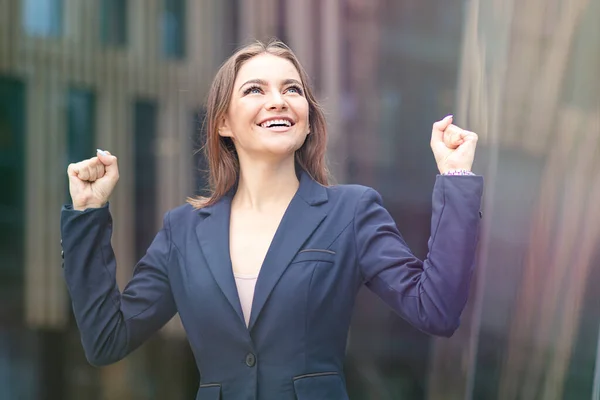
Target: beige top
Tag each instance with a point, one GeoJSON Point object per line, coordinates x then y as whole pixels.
{"type": "Point", "coordinates": [245, 286]}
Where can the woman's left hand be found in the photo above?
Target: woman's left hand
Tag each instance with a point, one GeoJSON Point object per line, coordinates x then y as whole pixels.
{"type": "Point", "coordinates": [453, 147]}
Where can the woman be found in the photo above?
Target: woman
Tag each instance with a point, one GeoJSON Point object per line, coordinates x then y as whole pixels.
{"type": "Point", "coordinates": [265, 270]}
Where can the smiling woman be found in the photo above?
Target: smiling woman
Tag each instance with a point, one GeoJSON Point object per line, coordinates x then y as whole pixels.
{"type": "Point", "coordinates": [264, 272]}
{"type": "Point", "coordinates": [256, 77]}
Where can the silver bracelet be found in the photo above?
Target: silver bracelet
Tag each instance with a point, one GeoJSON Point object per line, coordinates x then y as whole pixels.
{"type": "Point", "coordinates": [458, 172]}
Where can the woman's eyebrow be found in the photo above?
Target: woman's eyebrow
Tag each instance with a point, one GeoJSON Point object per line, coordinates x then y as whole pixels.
{"type": "Point", "coordinates": [256, 81]}
{"type": "Point", "coordinates": [291, 81]}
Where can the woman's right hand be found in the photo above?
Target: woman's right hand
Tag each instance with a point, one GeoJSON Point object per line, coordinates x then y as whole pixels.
{"type": "Point", "coordinates": [92, 181]}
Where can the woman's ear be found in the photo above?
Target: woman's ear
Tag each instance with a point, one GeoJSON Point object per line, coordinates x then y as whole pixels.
{"type": "Point", "coordinates": [224, 129]}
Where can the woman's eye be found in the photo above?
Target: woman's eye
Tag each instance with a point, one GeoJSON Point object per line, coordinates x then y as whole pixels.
{"type": "Point", "coordinates": [252, 90]}
{"type": "Point", "coordinates": [294, 89]}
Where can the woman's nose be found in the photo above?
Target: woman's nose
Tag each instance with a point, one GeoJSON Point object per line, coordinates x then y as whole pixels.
{"type": "Point", "coordinates": [276, 101]}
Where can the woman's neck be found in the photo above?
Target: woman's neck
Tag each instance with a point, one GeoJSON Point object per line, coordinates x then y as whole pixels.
{"type": "Point", "coordinates": [265, 185]}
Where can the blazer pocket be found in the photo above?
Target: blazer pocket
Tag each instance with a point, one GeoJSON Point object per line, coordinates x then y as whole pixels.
{"type": "Point", "coordinates": [209, 391]}
{"type": "Point", "coordinates": [322, 255]}
{"type": "Point", "coordinates": [320, 385]}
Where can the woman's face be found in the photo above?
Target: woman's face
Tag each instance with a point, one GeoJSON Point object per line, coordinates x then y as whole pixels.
{"type": "Point", "coordinates": [268, 113]}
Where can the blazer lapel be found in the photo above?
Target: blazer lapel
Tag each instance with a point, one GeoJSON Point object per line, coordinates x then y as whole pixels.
{"type": "Point", "coordinates": [213, 236]}
{"type": "Point", "coordinates": [300, 220]}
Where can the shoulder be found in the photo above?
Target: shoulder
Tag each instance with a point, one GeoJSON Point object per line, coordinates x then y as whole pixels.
{"type": "Point", "coordinates": [180, 215]}
{"type": "Point", "coordinates": [352, 195]}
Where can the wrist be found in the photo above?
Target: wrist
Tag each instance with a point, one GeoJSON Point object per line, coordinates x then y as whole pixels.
{"type": "Point", "coordinates": [83, 207]}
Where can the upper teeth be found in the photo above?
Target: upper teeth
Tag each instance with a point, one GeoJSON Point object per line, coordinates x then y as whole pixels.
{"type": "Point", "coordinates": [272, 122]}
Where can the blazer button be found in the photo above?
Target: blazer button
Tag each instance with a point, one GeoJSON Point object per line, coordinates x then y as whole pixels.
{"type": "Point", "coordinates": [250, 360]}
{"type": "Point", "coordinates": [62, 255]}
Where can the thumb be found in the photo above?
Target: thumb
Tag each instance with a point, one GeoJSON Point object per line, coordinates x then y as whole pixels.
{"type": "Point", "coordinates": [109, 161]}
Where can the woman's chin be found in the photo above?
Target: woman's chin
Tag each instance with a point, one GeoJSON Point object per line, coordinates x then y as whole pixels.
{"type": "Point", "coordinates": [282, 148]}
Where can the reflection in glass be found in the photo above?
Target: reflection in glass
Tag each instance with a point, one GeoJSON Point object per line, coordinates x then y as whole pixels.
{"type": "Point", "coordinates": [43, 17]}
{"type": "Point", "coordinates": [532, 326]}
{"type": "Point", "coordinates": [113, 22]}
{"type": "Point", "coordinates": [173, 29]}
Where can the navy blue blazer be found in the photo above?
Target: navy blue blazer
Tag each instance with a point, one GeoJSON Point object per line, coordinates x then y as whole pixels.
{"type": "Point", "coordinates": [331, 241]}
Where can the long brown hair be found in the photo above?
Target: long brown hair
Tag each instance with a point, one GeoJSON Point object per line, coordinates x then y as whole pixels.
{"type": "Point", "coordinates": [223, 163]}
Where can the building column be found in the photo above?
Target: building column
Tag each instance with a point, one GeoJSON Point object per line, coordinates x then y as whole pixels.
{"type": "Point", "coordinates": [46, 304]}
{"type": "Point", "coordinates": [361, 50]}
{"type": "Point", "coordinates": [330, 89]}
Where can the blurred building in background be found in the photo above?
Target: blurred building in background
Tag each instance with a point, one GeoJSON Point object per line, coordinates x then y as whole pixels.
{"type": "Point", "coordinates": [130, 76]}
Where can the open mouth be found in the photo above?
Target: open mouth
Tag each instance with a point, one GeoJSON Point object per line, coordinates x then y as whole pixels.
{"type": "Point", "coordinates": [277, 123]}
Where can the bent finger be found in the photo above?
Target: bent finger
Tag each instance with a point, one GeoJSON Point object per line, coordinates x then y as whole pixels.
{"type": "Point", "coordinates": [99, 170]}
{"type": "Point", "coordinates": [73, 169]}
{"type": "Point", "coordinates": [84, 173]}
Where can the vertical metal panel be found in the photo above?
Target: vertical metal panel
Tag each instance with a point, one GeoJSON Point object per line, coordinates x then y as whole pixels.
{"type": "Point", "coordinates": [34, 261]}
{"type": "Point", "coordinates": [299, 34]}
{"type": "Point", "coordinates": [168, 151]}
{"type": "Point", "coordinates": [331, 89]}
{"type": "Point", "coordinates": [45, 296]}
{"type": "Point", "coordinates": [268, 14]}
{"type": "Point", "coordinates": [249, 20]}
{"type": "Point", "coordinates": [258, 20]}
{"type": "Point", "coordinates": [49, 129]}
{"type": "Point", "coordinates": [56, 302]}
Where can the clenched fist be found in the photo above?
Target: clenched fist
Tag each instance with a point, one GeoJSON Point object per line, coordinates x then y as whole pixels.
{"type": "Point", "coordinates": [92, 181]}
{"type": "Point", "coordinates": [453, 147]}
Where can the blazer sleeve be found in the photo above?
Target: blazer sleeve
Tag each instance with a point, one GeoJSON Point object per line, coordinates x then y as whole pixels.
{"type": "Point", "coordinates": [113, 324]}
{"type": "Point", "coordinates": [430, 294]}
